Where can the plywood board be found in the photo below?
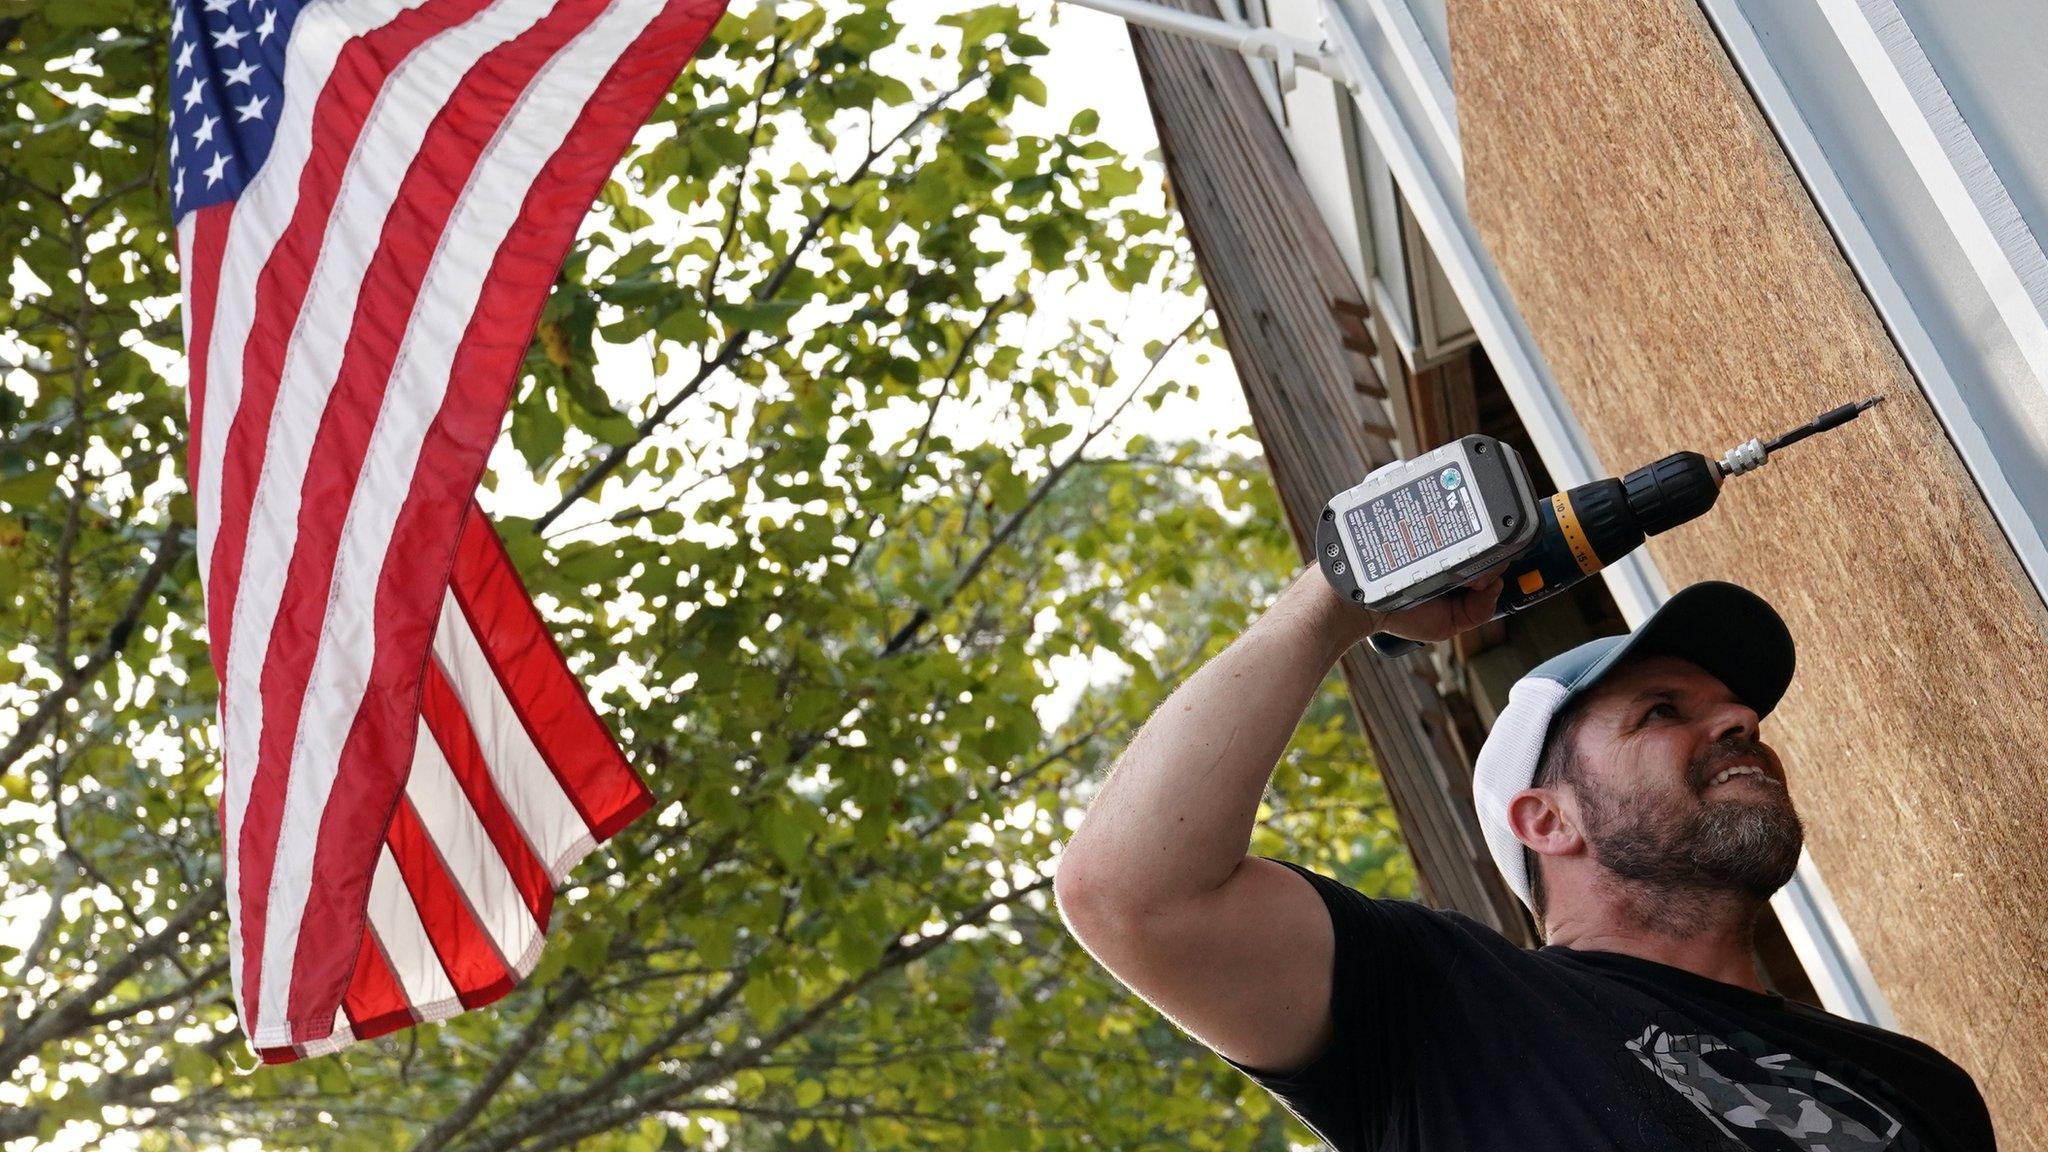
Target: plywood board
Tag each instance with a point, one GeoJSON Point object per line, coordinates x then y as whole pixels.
{"type": "Point", "coordinates": [1687, 294]}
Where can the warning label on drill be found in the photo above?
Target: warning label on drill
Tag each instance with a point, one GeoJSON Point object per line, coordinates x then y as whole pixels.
{"type": "Point", "coordinates": [1413, 522]}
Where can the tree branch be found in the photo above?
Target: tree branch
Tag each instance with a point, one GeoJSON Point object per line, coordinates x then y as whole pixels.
{"type": "Point", "coordinates": [169, 550]}
{"type": "Point", "coordinates": [739, 186]}
{"type": "Point", "coordinates": [572, 991]}
{"type": "Point", "coordinates": [70, 1014]}
{"type": "Point", "coordinates": [1009, 528]}
{"type": "Point", "coordinates": [198, 982]}
{"type": "Point", "coordinates": [766, 290]}
{"type": "Point", "coordinates": [959, 363]}
{"type": "Point", "coordinates": [569, 1128]}
{"type": "Point", "coordinates": [508, 1133]}
{"type": "Point", "coordinates": [850, 1111]}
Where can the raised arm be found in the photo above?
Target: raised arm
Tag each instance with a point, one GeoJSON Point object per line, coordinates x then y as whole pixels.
{"type": "Point", "coordinates": [1157, 883]}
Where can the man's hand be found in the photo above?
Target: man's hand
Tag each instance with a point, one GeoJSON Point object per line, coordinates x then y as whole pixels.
{"type": "Point", "coordinates": [1449, 614]}
{"type": "Point", "coordinates": [1434, 620]}
{"type": "Point", "coordinates": [1346, 624]}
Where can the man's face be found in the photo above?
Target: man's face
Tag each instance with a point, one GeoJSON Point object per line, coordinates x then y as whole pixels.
{"type": "Point", "coordinates": [1657, 736]}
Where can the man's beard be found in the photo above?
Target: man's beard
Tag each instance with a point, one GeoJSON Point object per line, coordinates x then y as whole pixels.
{"type": "Point", "coordinates": [1748, 846]}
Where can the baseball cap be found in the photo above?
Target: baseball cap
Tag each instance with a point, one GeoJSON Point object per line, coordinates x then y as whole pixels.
{"type": "Point", "coordinates": [1731, 632]}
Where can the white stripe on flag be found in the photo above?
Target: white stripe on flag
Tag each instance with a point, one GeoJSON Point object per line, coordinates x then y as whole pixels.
{"type": "Point", "coordinates": [472, 860]}
{"type": "Point", "coordinates": [188, 229]}
{"type": "Point", "coordinates": [488, 207]}
{"type": "Point", "coordinates": [414, 963]}
{"type": "Point", "coordinates": [532, 794]}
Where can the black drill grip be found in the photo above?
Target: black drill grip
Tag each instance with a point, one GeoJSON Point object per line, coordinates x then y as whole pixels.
{"type": "Point", "coordinates": [1671, 491]}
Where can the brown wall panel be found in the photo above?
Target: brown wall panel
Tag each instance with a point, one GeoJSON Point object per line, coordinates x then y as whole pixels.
{"type": "Point", "coordinates": [1287, 305]}
{"type": "Point", "coordinates": [1687, 295]}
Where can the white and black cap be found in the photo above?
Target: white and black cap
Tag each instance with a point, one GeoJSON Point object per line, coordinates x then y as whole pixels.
{"type": "Point", "coordinates": [1731, 632]}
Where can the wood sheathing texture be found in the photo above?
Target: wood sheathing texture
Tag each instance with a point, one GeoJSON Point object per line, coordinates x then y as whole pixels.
{"type": "Point", "coordinates": [1687, 295]}
{"type": "Point", "coordinates": [1279, 287]}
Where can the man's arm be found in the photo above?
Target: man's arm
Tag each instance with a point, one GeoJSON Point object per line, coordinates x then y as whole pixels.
{"type": "Point", "coordinates": [1156, 883]}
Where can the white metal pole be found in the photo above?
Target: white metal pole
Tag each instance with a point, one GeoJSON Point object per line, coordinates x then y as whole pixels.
{"type": "Point", "coordinates": [1287, 51]}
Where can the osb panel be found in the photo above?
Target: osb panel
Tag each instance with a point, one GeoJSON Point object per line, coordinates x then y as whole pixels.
{"type": "Point", "coordinates": [1687, 295]}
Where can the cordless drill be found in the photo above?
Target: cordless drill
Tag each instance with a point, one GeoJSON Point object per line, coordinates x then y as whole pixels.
{"type": "Point", "coordinates": [1417, 529]}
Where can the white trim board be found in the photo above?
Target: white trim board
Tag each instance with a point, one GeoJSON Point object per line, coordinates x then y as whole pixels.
{"type": "Point", "coordinates": [1950, 161]}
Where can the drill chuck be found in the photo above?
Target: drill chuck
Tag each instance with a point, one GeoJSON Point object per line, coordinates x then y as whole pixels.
{"type": "Point", "coordinates": [1663, 495]}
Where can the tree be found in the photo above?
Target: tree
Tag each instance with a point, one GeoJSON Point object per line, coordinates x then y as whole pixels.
{"type": "Point", "coordinates": [812, 502]}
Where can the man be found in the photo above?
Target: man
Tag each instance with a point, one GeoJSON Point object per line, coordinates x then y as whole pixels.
{"type": "Point", "coordinates": [1627, 795]}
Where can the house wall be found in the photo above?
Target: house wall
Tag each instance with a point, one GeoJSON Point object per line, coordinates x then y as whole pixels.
{"type": "Point", "coordinates": [1686, 294]}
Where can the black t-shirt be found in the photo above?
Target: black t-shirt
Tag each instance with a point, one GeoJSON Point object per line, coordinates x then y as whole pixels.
{"type": "Point", "coordinates": [1451, 1038]}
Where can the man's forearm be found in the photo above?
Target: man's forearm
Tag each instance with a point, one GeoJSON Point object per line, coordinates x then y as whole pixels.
{"type": "Point", "coordinates": [1175, 816]}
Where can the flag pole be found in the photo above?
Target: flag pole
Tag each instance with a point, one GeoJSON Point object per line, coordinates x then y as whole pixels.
{"type": "Point", "coordinates": [1285, 51]}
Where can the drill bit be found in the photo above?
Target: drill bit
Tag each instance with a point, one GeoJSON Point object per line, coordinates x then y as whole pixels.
{"type": "Point", "coordinates": [1821, 423]}
{"type": "Point", "coordinates": [1751, 453]}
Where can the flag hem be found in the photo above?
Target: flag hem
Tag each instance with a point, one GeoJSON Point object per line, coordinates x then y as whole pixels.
{"type": "Point", "coordinates": [275, 1046]}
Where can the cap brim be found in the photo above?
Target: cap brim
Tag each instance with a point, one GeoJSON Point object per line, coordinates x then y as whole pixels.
{"type": "Point", "coordinates": [1724, 628]}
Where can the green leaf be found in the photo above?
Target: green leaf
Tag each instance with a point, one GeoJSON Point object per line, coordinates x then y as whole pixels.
{"type": "Point", "coordinates": [784, 836]}
{"type": "Point", "coordinates": [1030, 88]}
{"type": "Point", "coordinates": [29, 489]}
{"type": "Point", "coordinates": [588, 949]}
{"type": "Point", "coordinates": [1117, 180]}
{"type": "Point", "coordinates": [763, 315]}
{"type": "Point", "coordinates": [85, 13]}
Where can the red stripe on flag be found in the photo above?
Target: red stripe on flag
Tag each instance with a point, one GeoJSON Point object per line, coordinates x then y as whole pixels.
{"type": "Point", "coordinates": [453, 456]}
{"type": "Point", "coordinates": [360, 71]}
{"type": "Point", "coordinates": [465, 949]}
{"type": "Point", "coordinates": [574, 741]}
{"type": "Point", "coordinates": [451, 729]}
{"type": "Point", "coordinates": [412, 235]}
{"type": "Point", "coordinates": [202, 282]}
{"type": "Point", "coordinates": [376, 1002]}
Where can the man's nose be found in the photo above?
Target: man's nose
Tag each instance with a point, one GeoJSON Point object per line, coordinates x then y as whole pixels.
{"type": "Point", "coordinates": [1736, 719]}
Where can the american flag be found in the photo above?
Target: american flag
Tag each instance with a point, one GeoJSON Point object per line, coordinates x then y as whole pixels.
{"type": "Point", "coordinates": [372, 199]}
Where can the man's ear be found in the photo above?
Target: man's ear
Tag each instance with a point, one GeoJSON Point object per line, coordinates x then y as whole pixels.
{"type": "Point", "coordinates": [1539, 820]}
